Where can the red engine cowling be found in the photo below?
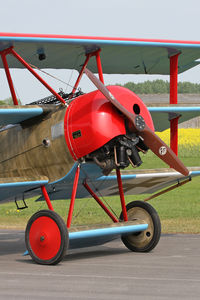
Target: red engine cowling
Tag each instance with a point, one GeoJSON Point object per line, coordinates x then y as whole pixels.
{"type": "Point", "coordinates": [91, 120]}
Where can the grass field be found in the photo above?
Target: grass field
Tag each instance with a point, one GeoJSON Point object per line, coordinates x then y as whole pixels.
{"type": "Point", "coordinates": [179, 210]}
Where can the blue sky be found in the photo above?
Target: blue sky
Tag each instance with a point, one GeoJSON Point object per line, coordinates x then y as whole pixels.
{"type": "Point", "coordinates": [172, 19]}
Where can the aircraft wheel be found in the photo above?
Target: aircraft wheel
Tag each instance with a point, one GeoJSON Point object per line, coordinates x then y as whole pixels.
{"type": "Point", "coordinates": [146, 240]}
{"type": "Point", "coordinates": [46, 237]}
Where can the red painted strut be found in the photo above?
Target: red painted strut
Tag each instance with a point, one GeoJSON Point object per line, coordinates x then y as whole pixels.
{"type": "Point", "coordinates": [10, 83]}
{"type": "Point", "coordinates": [71, 208]}
{"type": "Point", "coordinates": [107, 211]}
{"type": "Point", "coordinates": [46, 197]}
{"type": "Point", "coordinates": [174, 100]}
{"type": "Point", "coordinates": [99, 67]}
{"type": "Point", "coordinates": [28, 67]}
{"type": "Point", "coordinates": [81, 73]}
{"type": "Point", "coordinates": [121, 193]}
{"type": "Point", "coordinates": [23, 62]}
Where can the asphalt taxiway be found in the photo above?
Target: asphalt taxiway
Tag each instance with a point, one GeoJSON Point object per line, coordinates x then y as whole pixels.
{"type": "Point", "coordinates": [170, 271]}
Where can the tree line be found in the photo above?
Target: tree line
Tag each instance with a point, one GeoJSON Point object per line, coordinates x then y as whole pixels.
{"type": "Point", "coordinates": [147, 87]}
{"type": "Point", "coordinates": [162, 87]}
{"type": "Point", "coordinates": [8, 101]}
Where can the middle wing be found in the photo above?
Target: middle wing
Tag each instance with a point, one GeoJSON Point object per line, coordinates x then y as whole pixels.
{"type": "Point", "coordinates": [161, 115]}
{"type": "Point", "coordinates": [14, 114]}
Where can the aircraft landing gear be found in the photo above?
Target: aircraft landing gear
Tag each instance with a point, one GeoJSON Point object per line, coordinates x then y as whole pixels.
{"type": "Point", "coordinates": [46, 237]}
{"type": "Point", "coordinates": [146, 240]}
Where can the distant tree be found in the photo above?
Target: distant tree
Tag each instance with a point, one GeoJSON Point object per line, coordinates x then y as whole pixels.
{"type": "Point", "coordinates": [8, 101]}
{"type": "Point", "coordinates": [162, 87]}
{"type": "Point", "coordinates": [188, 88]}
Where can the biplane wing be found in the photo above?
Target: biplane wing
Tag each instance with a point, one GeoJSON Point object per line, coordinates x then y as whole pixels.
{"type": "Point", "coordinates": [133, 56]}
{"type": "Point", "coordinates": [138, 182]}
{"type": "Point", "coordinates": [11, 187]}
{"type": "Point", "coordinates": [161, 115]}
{"type": "Point", "coordinates": [134, 183]}
{"type": "Point", "coordinates": [12, 114]}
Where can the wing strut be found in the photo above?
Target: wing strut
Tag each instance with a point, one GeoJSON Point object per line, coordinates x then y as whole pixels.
{"type": "Point", "coordinates": [98, 200]}
{"type": "Point", "coordinates": [121, 193]}
{"type": "Point", "coordinates": [174, 100]}
{"type": "Point", "coordinates": [28, 67]}
{"type": "Point", "coordinates": [99, 67]}
{"type": "Point", "coordinates": [9, 78]}
{"type": "Point", "coordinates": [74, 190]}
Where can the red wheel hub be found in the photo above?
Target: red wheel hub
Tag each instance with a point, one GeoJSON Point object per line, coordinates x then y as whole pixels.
{"type": "Point", "coordinates": [45, 238]}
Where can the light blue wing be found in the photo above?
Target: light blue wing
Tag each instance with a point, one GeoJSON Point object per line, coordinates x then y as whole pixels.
{"type": "Point", "coordinates": [118, 55]}
{"type": "Point", "coordinates": [161, 115]}
{"type": "Point", "coordinates": [16, 114]}
{"type": "Point", "coordinates": [12, 187]}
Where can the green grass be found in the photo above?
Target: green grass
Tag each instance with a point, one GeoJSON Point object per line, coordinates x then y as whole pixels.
{"type": "Point", "coordinates": [179, 209]}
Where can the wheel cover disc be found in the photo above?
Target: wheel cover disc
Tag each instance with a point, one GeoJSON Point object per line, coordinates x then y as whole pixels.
{"type": "Point", "coordinates": [142, 239]}
{"type": "Point", "coordinates": [45, 238]}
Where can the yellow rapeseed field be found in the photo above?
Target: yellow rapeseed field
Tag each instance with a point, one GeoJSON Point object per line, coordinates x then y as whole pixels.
{"type": "Point", "coordinates": [186, 137]}
{"type": "Point", "coordinates": [188, 141]}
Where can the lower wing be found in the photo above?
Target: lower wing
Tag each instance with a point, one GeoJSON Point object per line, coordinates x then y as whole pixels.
{"type": "Point", "coordinates": [17, 186]}
{"type": "Point", "coordinates": [139, 182]}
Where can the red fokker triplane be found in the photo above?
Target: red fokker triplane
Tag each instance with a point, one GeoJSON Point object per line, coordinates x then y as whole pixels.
{"type": "Point", "coordinates": [73, 145]}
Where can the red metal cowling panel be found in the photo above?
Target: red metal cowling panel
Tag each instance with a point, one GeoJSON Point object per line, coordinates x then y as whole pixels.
{"type": "Point", "coordinates": [132, 103]}
{"type": "Point", "coordinates": [91, 120]}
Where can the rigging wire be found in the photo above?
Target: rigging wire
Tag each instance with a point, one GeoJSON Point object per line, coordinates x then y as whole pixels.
{"type": "Point", "coordinates": [72, 72]}
{"type": "Point", "coordinates": [67, 84]}
{"type": "Point", "coordinates": [54, 77]}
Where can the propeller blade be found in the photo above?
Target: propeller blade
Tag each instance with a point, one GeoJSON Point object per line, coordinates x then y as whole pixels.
{"type": "Point", "coordinates": [103, 89]}
{"type": "Point", "coordinates": [159, 148]}
{"type": "Point", "coordinates": [151, 140]}
{"type": "Point", "coordinates": [100, 86]}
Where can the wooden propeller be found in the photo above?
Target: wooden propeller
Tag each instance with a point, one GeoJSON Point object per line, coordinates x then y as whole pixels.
{"type": "Point", "coordinates": [151, 140]}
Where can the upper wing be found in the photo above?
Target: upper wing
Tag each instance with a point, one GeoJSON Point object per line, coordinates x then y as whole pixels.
{"type": "Point", "coordinates": [161, 115]}
{"type": "Point", "coordinates": [118, 56]}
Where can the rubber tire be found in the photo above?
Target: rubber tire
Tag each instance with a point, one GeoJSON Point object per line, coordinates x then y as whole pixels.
{"type": "Point", "coordinates": [146, 240]}
{"type": "Point", "coordinates": [64, 237]}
